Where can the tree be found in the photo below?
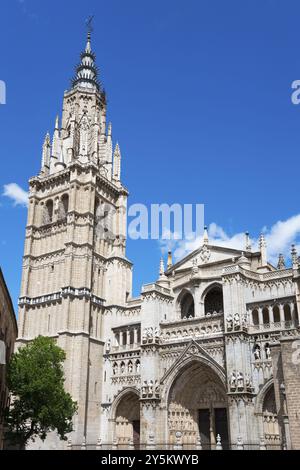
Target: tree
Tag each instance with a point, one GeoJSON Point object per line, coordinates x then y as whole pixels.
{"type": "Point", "coordinates": [39, 403]}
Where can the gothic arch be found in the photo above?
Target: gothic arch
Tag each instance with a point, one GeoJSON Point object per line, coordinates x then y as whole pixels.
{"type": "Point", "coordinates": [195, 395]}
{"type": "Point", "coordinates": [177, 369]}
{"type": "Point", "coordinates": [265, 409]}
{"type": "Point", "coordinates": [258, 409]}
{"type": "Point", "coordinates": [212, 298]}
{"type": "Point", "coordinates": [126, 418]}
{"type": "Point", "coordinates": [120, 397]}
{"type": "Point", "coordinates": [185, 304]}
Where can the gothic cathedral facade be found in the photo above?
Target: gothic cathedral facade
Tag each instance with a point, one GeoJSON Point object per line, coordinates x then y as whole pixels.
{"type": "Point", "coordinates": [206, 355]}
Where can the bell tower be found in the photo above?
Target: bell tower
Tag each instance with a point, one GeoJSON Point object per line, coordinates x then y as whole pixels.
{"type": "Point", "coordinates": [74, 263]}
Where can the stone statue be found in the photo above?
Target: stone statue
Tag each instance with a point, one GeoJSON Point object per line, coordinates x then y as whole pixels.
{"type": "Point", "coordinates": [130, 368]}
{"type": "Point", "coordinates": [257, 352]}
{"type": "Point", "coordinates": [233, 381]}
{"type": "Point", "coordinates": [115, 369]}
{"type": "Point", "coordinates": [229, 322]}
{"type": "Point", "coordinates": [122, 368]}
{"type": "Point", "coordinates": [248, 381]}
{"type": "Point", "coordinates": [149, 333]}
{"type": "Point", "coordinates": [145, 389]}
{"type": "Point", "coordinates": [138, 367]}
{"type": "Point", "coordinates": [240, 380]}
{"type": "Point", "coordinates": [236, 319]}
{"type": "Point", "coordinates": [150, 388]}
{"type": "Point", "coordinates": [268, 352]}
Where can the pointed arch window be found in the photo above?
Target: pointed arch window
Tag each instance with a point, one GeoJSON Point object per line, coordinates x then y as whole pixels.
{"type": "Point", "coordinates": [48, 212]}
{"type": "Point", "coordinates": [64, 207]}
{"type": "Point", "coordinates": [187, 306]}
{"type": "Point", "coordinates": [213, 302]}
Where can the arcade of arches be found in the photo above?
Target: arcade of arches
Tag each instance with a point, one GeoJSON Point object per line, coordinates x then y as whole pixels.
{"type": "Point", "coordinates": [197, 407]}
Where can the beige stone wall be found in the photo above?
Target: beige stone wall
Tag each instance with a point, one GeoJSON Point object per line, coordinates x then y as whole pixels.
{"type": "Point", "coordinates": [291, 374]}
{"type": "Point", "coordinates": [8, 334]}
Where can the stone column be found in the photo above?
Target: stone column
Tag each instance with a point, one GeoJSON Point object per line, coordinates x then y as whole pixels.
{"type": "Point", "coordinates": [128, 337]}
{"type": "Point", "coordinates": [149, 418]}
{"type": "Point", "coordinates": [271, 314]}
{"type": "Point", "coordinates": [260, 316]}
{"type": "Point", "coordinates": [242, 421]}
{"type": "Point", "coordinates": [135, 336]}
{"type": "Point", "coordinates": [212, 428]}
{"type": "Point", "coordinates": [293, 313]}
{"type": "Point", "coordinates": [281, 310]}
{"type": "Point", "coordinates": [249, 315]}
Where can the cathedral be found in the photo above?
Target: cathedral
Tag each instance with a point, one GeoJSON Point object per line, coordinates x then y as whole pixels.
{"type": "Point", "coordinates": [207, 357]}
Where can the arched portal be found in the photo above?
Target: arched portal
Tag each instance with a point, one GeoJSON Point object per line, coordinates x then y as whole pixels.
{"type": "Point", "coordinates": [270, 419]}
{"type": "Point", "coordinates": [197, 406]}
{"type": "Point", "coordinates": [127, 420]}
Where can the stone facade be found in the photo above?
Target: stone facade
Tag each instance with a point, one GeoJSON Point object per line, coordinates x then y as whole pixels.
{"type": "Point", "coordinates": [205, 351]}
{"type": "Point", "coordinates": [8, 334]}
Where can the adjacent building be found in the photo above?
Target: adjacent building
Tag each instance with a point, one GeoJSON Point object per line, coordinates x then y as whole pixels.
{"type": "Point", "coordinates": [8, 335]}
{"type": "Point", "coordinates": [207, 353]}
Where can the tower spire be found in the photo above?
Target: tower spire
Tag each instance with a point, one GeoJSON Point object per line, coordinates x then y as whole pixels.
{"type": "Point", "coordinates": [46, 153]}
{"type": "Point", "coordinates": [86, 72]}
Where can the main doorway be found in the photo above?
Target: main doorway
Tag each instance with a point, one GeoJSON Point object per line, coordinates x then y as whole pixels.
{"type": "Point", "coordinates": [197, 406]}
{"type": "Point", "coordinates": [213, 422]}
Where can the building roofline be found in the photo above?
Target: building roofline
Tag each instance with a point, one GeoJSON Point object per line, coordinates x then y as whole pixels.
{"type": "Point", "coordinates": [248, 254]}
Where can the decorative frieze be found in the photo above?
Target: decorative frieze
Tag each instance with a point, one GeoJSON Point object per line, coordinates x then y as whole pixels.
{"type": "Point", "coordinates": [63, 293]}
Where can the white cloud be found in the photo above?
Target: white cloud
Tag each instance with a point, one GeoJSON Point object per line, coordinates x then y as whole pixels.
{"type": "Point", "coordinates": [279, 238]}
{"type": "Point", "coordinates": [16, 194]}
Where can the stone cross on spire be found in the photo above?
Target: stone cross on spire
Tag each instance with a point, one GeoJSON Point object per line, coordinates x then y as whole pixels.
{"type": "Point", "coordinates": [89, 27]}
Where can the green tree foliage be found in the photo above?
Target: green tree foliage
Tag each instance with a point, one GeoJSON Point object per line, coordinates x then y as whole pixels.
{"type": "Point", "coordinates": [39, 403]}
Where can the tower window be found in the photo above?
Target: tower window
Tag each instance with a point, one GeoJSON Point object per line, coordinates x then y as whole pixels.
{"type": "Point", "coordinates": [64, 207]}
{"type": "Point", "coordinates": [48, 213]}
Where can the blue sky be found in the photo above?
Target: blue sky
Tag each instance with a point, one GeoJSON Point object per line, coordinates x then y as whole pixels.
{"type": "Point", "coordinates": [200, 99]}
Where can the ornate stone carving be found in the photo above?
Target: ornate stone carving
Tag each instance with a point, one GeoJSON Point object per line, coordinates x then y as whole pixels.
{"type": "Point", "coordinates": [205, 254]}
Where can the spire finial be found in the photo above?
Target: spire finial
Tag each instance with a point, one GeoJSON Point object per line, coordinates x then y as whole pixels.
{"type": "Point", "coordinates": [205, 236]}
{"type": "Point", "coordinates": [170, 261]}
{"type": "Point", "coordinates": [263, 250]}
{"type": "Point", "coordinates": [89, 24]}
{"type": "Point", "coordinates": [161, 267]}
{"type": "Point", "coordinates": [57, 122]}
{"type": "Point", "coordinates": [89, 27]}
{"type": "Point", "coordinates": [117, 163]}
{"type": "Point", "coordinates": [294, 255]}
{"type": "Point", "coordinates": [248, 242]}
{"type": "Point", "coordinates": [281, 262]}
